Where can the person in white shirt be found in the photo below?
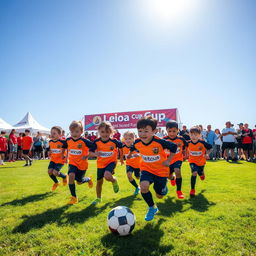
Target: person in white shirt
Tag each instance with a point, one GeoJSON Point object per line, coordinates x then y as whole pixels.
{"type": "Point", "coordinates": [228, 138]}
{"type": "Point", "coordinates": [217, 145]}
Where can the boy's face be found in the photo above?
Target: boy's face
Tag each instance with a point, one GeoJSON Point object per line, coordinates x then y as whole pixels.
{"type": "Point", "coordinates": [194, 136]}
{"type": "Point", "coordinates": [172, 132]}
{"type": "Point", "coordinates": [76, 133]}
{"type": "Point", "coordinates": [128, 140]}
{"type": "Point", "coordinates": [104, 134]}
{"type": "Point", "coordinates": [26, 133]}
{"type": "Point", "coordinates": [54, 134]}
{"type": "Point", "coordinates": [146, 134]}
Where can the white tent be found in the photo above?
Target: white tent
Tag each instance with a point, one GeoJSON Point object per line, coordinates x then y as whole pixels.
{"type": "Point", "coordinates": [4, 126]}
{"type": "Point", "coordinates": [28, 122]}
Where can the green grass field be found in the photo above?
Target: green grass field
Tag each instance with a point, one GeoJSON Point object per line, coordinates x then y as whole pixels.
{"type": "Point", "coordinates": [221, 220]}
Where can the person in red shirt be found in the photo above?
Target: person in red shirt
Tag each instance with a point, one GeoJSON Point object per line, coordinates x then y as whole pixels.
{"type": "Point", "coordinates": [3, 147]}
{"type": "Point", "coordinates": [93, 137]}
{"type": "Point", "coordinates": [247, 140]}
{"type": "Point", "coordinates": [13, 146]}
{"type": "Point", "coordinates": [117, 135]}
{"type": "Point", "coordinates": [254, 142]}
{"type": "Point", "coordinates": [19, 142]}
{"type": "Point", "coordinates": [27, 144]}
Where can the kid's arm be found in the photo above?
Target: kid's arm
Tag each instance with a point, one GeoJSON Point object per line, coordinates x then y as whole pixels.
{"type": "Point", "coordinates": [121, 156]}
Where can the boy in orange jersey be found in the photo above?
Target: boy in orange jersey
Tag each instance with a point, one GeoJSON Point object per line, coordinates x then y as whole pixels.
{"type": "Point", "coordinates": [176, 162]}
{"type": "Point", "coordinates": [155, 162]}
{"type": "Point", "coordinates": [106, 151]}
{"type": "Point", "coordinates": [78, 152]}
{"type": "Point", "coordinates": [56, 160]}
{"type": "Point", "coordinates": [133, 163]}
{"type": "Point", "coordinates": [27, 144]}
{"type": "Point", "coordinates": [198, 151]}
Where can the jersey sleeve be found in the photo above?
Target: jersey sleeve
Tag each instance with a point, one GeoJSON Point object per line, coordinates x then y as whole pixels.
{"type": "Point", "coordinates": [64, 144]}
{"type": "Point", "coordinates": [169, 145]}
{"type": "Point", "coordinates": [207, 145]}
{"type": "Point", "coordinates": [93, 146]}
{"type": "Point", "coordinates": [88, 143]}
{"type": "Point", "coordinates": [118, 143]}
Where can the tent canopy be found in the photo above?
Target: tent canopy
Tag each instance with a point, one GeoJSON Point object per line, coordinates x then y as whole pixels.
{"type": "Point", "coordinates": [4, 126]}
{"type": "Point", "coordinates": [28, 122]}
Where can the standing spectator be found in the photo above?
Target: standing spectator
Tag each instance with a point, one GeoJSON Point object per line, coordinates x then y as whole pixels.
{"type": "Point", "coordinates": [228, 136]}
{"type": "Point", "coordinates": [38, 144]}
{"type": "Point", "coordinates": [247, 140]}
{"type": "Point", "coordinates": [3, 147]}
{"type": "Point", "coordinates": [159, 133]}
{"type": "Point", "coordinates": [117, 135]}
{"type": "Point", "coordinates": [203, 132]}
{"type": "Point", "coordinates": [89, 137]}
{"type": "Point", "coordinates": [93, 137]}
{"type": "Point", "coordinates": [217, 145]}
{"type": "Point", "coordinates": [46, 146]}
{"type": "Point", "coordinates": [254, 142]}
{"type": "Point", "coordinates": [63, 137]}
{"type": "Point", "coordinates": [19, 142]}
{"type": "Point", "coordinates": [239, 140]}
{"type": "Point", "coordinates": [210, 138]}
{"type": "Point", "coordinates": [185, 133]}
{"type": "Point", "coordinates": [13, 146]}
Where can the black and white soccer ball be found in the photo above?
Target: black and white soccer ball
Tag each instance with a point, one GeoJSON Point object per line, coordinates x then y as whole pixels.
{"type": "Point", "coordinates": [121, 220]}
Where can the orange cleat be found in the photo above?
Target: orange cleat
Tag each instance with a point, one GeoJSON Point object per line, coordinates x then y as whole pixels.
{"type": "Point", "coordinates": [202, 177]}
{"type": "Point", "coordinates": [65, 181]}
{"type": "Point", "coordinates": [192, 192]}
{"type": "Point", "coordinates": [54, 186]}
{"type": "Point", "coordinates": [73, 200]}
{"type": "Point", "coordinates": [90, 182]}
{"type": "Point", "coordinates": [180, 194]}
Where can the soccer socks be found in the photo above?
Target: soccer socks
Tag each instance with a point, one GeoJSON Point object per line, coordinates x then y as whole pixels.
{"type": "Point", "coordinates": [62, 175]}
{"type": "Point", "coordinates": [134, 183]}
{"type": "Point", "coordinates": [178, 183]}
{"type": "Point", "coordinates": [148, 198]}
{"type": "Point", "coordinates": [53, 178]}
{"type": "Point", "coordinates": [72, 188]}
{"type": "Point", "coordinates": [193, 182]}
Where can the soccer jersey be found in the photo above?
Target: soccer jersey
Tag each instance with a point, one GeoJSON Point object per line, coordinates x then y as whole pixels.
{"type": "Point", "coordinates": [3, 144]}
{"type": "Point", "coordinates": [76, 150]}
{"type": "Point", "coordinates": [153, 155]}
{"type": "Point", "coordinates": [56, 151]}
{"type": "Point", "coordinates": [197, 152]}
{"type": "Point", "coordinates": [27, 142]}
{"type": "Point", "coordinates": [108, 151]}
{"type": "Point", "coordinates": [181, 145]}
{"type": "Point", "coordinates": [133, 161]}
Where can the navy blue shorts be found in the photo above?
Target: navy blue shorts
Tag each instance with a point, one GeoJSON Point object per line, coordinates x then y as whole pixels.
{"type": "Point", "coordinates": [160, 186]}
{"type": "Point", "coordinates": [109, 168]}
{"type": "Point", "coordinates": [176, 164]}
{"type": "Point", "coordinates": [132, 169]}
{"type": "Point", "coordinates": [196, 168]}
{"type": "Point", "coordinates": [79, 174]}
{"type": "Point", "coordinates": [25, 152]}
{"type": "Point", "coordinates": [55, 166]}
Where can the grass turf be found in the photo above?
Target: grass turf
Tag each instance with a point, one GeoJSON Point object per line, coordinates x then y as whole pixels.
{"type": "Point", "coordinates": [220, 220]}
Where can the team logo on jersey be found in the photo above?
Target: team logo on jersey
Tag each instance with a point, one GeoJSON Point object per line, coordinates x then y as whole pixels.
{"type": "Point", "coordinates": [200, 148]}
{"type": "Point", "coordinates": [111, 147]}
{"type": "Point", "coordinates": [59, 146]}
{"type": "Point", "coordinates": [79, 146]}
{"type": "Point", "coordinates": [155, 150]}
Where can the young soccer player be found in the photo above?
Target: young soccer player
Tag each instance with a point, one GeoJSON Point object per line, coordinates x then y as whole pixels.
{"type": "Point", "coordinates": [133, 163]}
{"type": "Point", "coordinates": [27, 144]}
{"type": "Point", "coordinates": [155, 163]}
{"type": "Point", "coordinates": [176, 162]}
{"type": "Point", "coordinates": [198, 151]}
{"type": "Point", "coordinates": [56, 160]}
{"type": "Point", "coordinates": [106, 151]}
{"type": "Point", "coordinates": [3, 147]}
{"type": "Point", "coordinates": [78, 152]}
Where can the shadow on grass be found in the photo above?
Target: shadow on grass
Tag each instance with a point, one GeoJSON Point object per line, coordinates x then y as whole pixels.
{"type": "Point", "coordinates": [145, 241]}
{"type": "Point", "coordinates": [28, 199]}
{"type": "Point", "coordinates": [170, 207]}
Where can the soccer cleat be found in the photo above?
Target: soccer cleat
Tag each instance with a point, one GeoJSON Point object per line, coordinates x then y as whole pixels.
{"type": "Point", "coordinates": [115, 187]}
{"type": "Point", "coordinates": [65, 181]}
{"type": "Point", "coordinates": [192, 192]}
{"type": "Point", "coordinates": [73, 200]}
{"type": "Point", "coordinates": [151, 213]}
{"type": "Point", "coordinates": [180, 194]}
{"type": "Point", "coordinates": [96, 201]}
{"type": "Point", "coordinates": [173, 181]}
{"type": "Point", "coordinates": [25, 165]}
{"type": "Point", "coordinates": [30, 162]}
{"type": "Point", "coordinates": [90, 182]}
{"type": "Point", "coordinates": [202, 177]}
{"type": "Point", "coordinates": [54, 186]}
{"type": "Point", "coordinates": [137, 191]}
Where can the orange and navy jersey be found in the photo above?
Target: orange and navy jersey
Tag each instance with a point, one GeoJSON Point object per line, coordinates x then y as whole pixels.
{"type": "Point", "coordinates": [197, 152]}
{"type": "Point", "coordinates": [27, 142]}
{"type": "Point", "coordinates": [134, 161]}
{"type": "Point", "coordinates": [56, 151]}
{"type": "Point", "coordinates": [108, 151]}
{"type": "Point", "coordinates": [181, 145]}
{"type": "Point", "coordinates": [76, 150]}
{"type": "Point", "coordinates": [153, 155]}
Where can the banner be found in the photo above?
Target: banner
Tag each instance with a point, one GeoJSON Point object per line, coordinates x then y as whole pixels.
{"type": "Point", "coordinates": [127, 120]}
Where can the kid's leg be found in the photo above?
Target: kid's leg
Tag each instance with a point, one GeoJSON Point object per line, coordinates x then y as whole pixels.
{"type": "Point", "coordinates": [58, 173]}
{"type": "Point", "coordinates": [129, 171]}
{"type": "Point", "coordinates": [100, 176]}
{"type": "Point", "coordinates": [1, 159]}
{"type": "Point", "coordinates": [71, 184]}
{"type": "Point", "coordinates": [81, 179]}
{"type": "Point", "coordinates": [172, 177]}
{"type": "Point", "coordinates": [109, 177]}
{"type": "Point", "coordinates": [193, 184]}
{"type": "Point", "coordinates": [178, 183]}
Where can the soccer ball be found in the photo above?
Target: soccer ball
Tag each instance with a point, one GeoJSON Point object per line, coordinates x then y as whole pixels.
{"type": "Point", "coordinates": [121, 220]}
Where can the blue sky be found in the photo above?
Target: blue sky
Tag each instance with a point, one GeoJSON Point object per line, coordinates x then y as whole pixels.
{"type": "Point", "coordinates": [62, 59]}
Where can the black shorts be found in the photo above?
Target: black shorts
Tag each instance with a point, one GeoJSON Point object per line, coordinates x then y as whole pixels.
{"type": "Point", "coordinates": [55, 166]}
{"type": "Point", "coordinates": [197, 168]}
{"type": "Point", "coordinates": [132, 169]}
{"type": "Point", "coordinates": [160, 183]}
{"type": "Point", "coordinates": [19, 148]}
{"type": "Point", "coordinates": [2, 152]}
{"type": "Point", "coordinates": [79, 174]}
{"type": "Point", "coordinates": [228, 145]}
{"type": "Point", "coordinates": [109, 168]}
{"type": "Point", "coordinates": [247, 146]}
{"type": "Point", "coordinates": [176, 164]}
{"type": "Point", "coordinates": [25, 152]}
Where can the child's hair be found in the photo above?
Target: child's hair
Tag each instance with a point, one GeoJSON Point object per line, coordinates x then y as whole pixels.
{"type": "Point", "coordinates": [27, 130]}
{"type": "Point", "coordinates": [195, 129]}
{"type": "Point", "coordinates": [3, 132]}
{"type": "Point", "coordinates": [217, 130]}
{"type": "Point", "coordinates": [147, 121]}
{"type": "Point", "coordinates": [58, 129]}
{"type": "Point", "coordinates": [172, 124]}
{"type": "Point", "coordinates": [107, 126]}
{"type": "Point", "coordinates": [20, 134]}
{"type": "Point", "coordinates": [130, 134]}
{"type": "Point", "coordinates": [76, 124]}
